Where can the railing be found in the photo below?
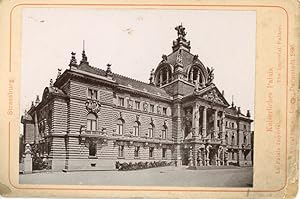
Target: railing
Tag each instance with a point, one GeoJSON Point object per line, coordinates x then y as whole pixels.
{"type": "Point", "coordinates": [93, 133]}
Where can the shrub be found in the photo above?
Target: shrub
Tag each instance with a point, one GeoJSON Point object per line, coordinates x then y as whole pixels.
{"type": "Point", "coordinates": [140, 165]}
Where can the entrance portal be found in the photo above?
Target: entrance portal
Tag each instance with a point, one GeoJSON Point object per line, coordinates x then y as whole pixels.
{"type": "Point", "coordinates": [213, 156]}
{"type": "Point", "coordinates": [185, 157]}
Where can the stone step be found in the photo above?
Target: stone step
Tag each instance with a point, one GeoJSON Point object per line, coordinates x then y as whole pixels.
{"type": "Point", "coordinates": [212, 167]}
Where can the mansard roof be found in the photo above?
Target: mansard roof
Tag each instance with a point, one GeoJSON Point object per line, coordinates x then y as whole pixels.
{"type": "Point", "coordinates": [127, 82]}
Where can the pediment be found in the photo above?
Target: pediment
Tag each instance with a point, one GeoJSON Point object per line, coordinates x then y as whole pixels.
{"type": "Point", "coordinates": [213, 95]}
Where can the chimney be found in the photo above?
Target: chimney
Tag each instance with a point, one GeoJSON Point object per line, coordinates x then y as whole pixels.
{"type": "Point", "coordinates": [239, 110]}
{"type": "Point", "coordinates": [248, 113]}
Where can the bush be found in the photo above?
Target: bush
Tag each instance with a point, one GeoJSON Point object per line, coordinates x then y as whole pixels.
{"type": "Point", "coordinates": [140, 165]}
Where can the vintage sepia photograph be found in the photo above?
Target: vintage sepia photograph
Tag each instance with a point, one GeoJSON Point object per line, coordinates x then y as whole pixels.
{"type": "Point", "coordinates": [137, 97]}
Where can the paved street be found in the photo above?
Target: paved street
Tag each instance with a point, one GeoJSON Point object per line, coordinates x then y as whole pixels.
{"type": "Point", "coordinates": [164, 176]}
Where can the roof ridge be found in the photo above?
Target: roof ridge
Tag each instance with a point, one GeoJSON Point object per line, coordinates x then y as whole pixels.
{"type": "Point", "coordinates": [100, 69]}
{"type": "Point", "coordinates": [133, 79]}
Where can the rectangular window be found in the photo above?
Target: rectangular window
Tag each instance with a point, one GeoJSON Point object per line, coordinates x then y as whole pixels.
{"type": "Point", "coordinates": [245, 126]}
{"type": "Point", "coordinates": [121, 151]}
{"type": "Point", "coordinates": [136, 151]}
{"type": "Point", "coordinates": [151, 152]}
{"type": "Point", "coordinates": [164, 153]}
{"type": "Point", "coordinates": [137, 105]}
{"type": "Point", "coordinates": [92, 94]}
{"type": "Point", "coordinates": [130, 103]}
{"type": "Point", "coordinates": [150, 132]}
{"type": "Point", "coordinates": [232, 125]}
{"type": "Point", "coordinates": [158, 109]}
{"type": "Point", "coordinates": [151, 108]}
{"type": "Point", "coordinates": [164, 134]}
{"type": "Point", "coordinates": [120, 129]}
{"type": "Point", "coordinates": [165, 111]}
{"type": "Point", "coordinates": [121, 101]}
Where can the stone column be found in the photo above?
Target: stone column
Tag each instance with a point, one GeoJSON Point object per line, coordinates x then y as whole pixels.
{"type": "Point", "coordinates": [168, 76]}
{"type": "Point", "coordinates": [223, 127]}
{"type": "Point", "coordinates": [191, 159]}
{"type": "Point", "coordinates": [207, 156]}
{"type": "Point", "coordinates": [196, 117]}
{"type": "Point", "coordinates": [219, 157]}
{"type": "Point", "coordinates": [199, 157]}
{"type": "Point", "coordinates": [178, 158]}
{"type": "Point", "coordinates": [204, 122]}
{"type": "Point", "coordinates": [36, 128]}
{"type": "Point", "coordinates": [160, 78]}
{"type": "Point", "coordinates": [215, 124]}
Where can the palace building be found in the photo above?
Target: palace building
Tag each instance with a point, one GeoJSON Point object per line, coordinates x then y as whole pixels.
{"type": "Point", "coordinates": [90, 118]}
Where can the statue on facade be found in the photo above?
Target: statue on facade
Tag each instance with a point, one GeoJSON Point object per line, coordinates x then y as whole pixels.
{"type": "Point", "coordinates": [195, 58]}
{"type": "Point", "coordinates": [180, 31]}
{"type": "Point", "coordinates": [164, 58]}
{"type": "Point", "coordinates": [151, 79]}
{"type": "Point", "coordinates": [73, 61]}
{"type": "Point", "coordinates": [211, 75]}
{"type": "Point", "coordinates": [51, 83]}
{"type": "Point", "coordinates": [58, 72]}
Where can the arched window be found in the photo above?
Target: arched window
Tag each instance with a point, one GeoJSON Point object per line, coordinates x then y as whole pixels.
{"type": "Point", "coordinates": [164, 76]}
{"type": "Point", "coordinates": [150, 130]}
{"type": "Point", "coordinates": [136, 128]}
{"type": "Point", "coordinates": [245, 139]}
{"type": "Point", "coordinates": [120, 125]}
{"type": "Point", "coordinates": [226, 138]}
{"type": "Point", "coordinates": [164, 133]}
{"type": "Point", "coordinates": [232, 139]}
{"type": "Point", "coordinates": [195, 75]}
{"type": "Point", "coordinates": [91, 124]}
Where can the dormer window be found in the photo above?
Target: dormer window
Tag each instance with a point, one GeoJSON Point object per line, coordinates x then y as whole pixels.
{"type": "Point", "coordinates": [151, 108]}
{"type": "Point", "coordinates": [92, 94]}
{"type": "Point", "coordinates": [137, 105]}
{"type": "Point", "coordinates": [164, 110]}
{"type": "Point", "coordinates": [196, 76]}
{"type": "Point", "coordinates": [164, 76]}
{"type": "Point", "coordinates": [121, 101]}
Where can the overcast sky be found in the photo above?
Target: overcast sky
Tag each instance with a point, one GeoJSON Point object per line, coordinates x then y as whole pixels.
{"type": "Point", "coordinates": [134, 40]}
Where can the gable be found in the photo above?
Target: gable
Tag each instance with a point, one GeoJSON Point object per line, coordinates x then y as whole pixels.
{"type": "Point", "coordinates": [213, 95]}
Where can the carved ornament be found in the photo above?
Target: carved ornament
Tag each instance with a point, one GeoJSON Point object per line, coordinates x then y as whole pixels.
{"type": "Point", "coordinates": [92, 106]}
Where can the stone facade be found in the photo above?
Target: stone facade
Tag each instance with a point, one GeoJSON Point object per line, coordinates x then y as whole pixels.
{"type": "Point", "coordinates": [91, 118]}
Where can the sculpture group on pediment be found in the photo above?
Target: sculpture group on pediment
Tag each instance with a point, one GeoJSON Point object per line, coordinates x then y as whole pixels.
{"type": "Point", "coordinates": [213, 96]}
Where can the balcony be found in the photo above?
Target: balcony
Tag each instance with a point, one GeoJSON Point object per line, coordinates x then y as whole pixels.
{"type": "Point", "coordinates": [214, 141]}
{"type": "Point", "coordinates": [246, 146]}
{"type": "Point", "coordinates": [93, 133]}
